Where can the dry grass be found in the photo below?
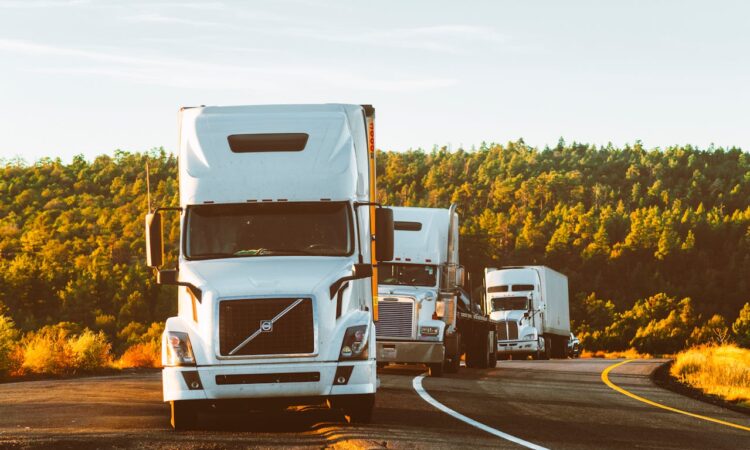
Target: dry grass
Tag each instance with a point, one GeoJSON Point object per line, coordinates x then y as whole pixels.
{"type": "Point", "coordinates": [627, 354]}
{"type": "Point", "coordinates": [721, 370]}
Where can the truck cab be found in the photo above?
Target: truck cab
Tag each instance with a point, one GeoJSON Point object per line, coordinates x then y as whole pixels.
{"type": "Point", "coordinates": [417, 289]}
{"type": "Point", "coordinates": [275, 273]}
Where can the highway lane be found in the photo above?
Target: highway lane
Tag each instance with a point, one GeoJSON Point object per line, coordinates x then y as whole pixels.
{"type": "Point", "coordinates": [554, 404]}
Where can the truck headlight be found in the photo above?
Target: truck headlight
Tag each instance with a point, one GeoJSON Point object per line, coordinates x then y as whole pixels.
{"type": "Point", "coordinates": [429, 331]}
{"type": "Point", "coordinates": [179, 350]}
{"type": "Point", "coordinates": [529, 337]}
{"type": "Point", "coordinates": [354, 345]}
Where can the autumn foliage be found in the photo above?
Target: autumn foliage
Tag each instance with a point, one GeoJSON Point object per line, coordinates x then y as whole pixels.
{"type": "Point", "coordinates": [656, 243]}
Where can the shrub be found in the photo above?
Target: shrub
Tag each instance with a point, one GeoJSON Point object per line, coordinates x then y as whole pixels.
{"type": "Point", "coordinates": [141, 355]}
{"type": "Point", "coordinates": [716, 370]}
{"type": "Point", "coordinates": [44, 351]}
{"type": "Point", "coordinates": [741, 327]}
{"type": "Point", "coordinates": [8, 342]}
{"type": "Point", "coordinates": [89, 351]}
{"type": "Point", "coordinates": [145, 350]}
{"type": "Point", "coordinates": [59, 349]}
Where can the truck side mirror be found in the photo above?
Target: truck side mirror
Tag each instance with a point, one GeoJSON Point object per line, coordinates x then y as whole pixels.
{"type": "Point", "coordinates": [154, 242]}
{"type": "Point", "coordinates": [384, 234]}
{"type": "Point", "coordinates": [360, 271]}
{"type": "Point", "coordinates": [168, 277]}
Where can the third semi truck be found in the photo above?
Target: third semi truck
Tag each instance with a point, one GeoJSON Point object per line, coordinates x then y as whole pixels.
{"type": "Point", "coordinates": [531, 305]}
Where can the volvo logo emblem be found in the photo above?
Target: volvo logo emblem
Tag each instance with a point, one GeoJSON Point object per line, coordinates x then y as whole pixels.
{"type": "Point", "coordinates": [266, 326]}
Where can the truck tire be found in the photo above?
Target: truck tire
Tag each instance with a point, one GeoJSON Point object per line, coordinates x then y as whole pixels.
{"type": "Point", "coordinates": [452, 353]}
{"type": "Point", "coordinates": [453, 364]}
{"type": "Point", "coordinates": [184, 415]}
{"type": "Point", "coordinates": [493, 350]}
{"type": "Point", "coordinates": [483, 351]}
{"type": "Point", "coordinates": [436, 369]}
{"type": "Point", "coordinates": [547, 348]}
{"type": "Point", "coordinates": [357, 408]}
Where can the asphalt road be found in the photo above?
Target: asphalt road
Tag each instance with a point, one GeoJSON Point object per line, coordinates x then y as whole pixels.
{"type": "Point", "coordinates": [553, 404]}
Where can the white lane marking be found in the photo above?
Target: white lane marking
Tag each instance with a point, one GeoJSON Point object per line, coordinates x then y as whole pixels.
{"type": "Point", "coordinates": [417, 383]}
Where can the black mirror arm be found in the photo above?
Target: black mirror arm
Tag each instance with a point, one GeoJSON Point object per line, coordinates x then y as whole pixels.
{"type": "Point", "coordinates": [194, 290]}
{"type": "Point", "coordinates": [359, 272]}
{"type": "Point", "coordinates": [338, 283]}
{"type": "Point", "coordinates": [169, 277]}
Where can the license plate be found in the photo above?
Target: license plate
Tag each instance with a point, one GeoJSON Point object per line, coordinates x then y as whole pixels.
{"type": "Point", "coordinates": [388, 353]}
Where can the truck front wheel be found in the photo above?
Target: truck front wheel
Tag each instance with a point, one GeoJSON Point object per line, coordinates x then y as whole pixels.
{"type": "Point", "coordinates": [358, 408]}
{"type": "Point", "coordinates": [436, 369]}
{"type": "Point", "coordinates": [184, 415]}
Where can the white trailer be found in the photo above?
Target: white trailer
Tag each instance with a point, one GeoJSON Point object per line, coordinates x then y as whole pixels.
{"type": "Point", "coordinates": [425, 315]}
{"type": "Point", "coordinates": [531, 304]}
{"type": "Point", "coordinates": [276, 296]}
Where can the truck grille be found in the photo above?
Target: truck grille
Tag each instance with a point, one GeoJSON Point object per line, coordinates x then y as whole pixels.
{"type": "Point", "coordinates": [507, 330]}
{"type": "Point", "coordinates": [290, 333]}
{"type": "Point", "coordinates": [395, 319]}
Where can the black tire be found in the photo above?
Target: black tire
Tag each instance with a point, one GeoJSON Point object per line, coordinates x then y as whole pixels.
{"type": "Point", "coordinates": [483, 352]}
{"type": "Point", "coordinates": [453, 362]}
{"type": "Point", "coordinates": [452, 365]}
{"type": "Point", "coordinates": [545, 355]}
{"type": "Point", "coordinates": [357, 408]}
{"type": "Point", "coordinates": [184, 415]}
{"type": "Point", "coordinates": [436, 369]}
{"type": "Point", "coordinates": [493, 350]}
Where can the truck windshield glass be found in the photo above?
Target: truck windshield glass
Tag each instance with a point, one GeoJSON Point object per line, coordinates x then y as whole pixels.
{"type": "Point", "coordinates": [269, 229]}
{"type": "Point", "coordinates": [407, 274]}
{"type": "Point", "coordinates": [509, 303]}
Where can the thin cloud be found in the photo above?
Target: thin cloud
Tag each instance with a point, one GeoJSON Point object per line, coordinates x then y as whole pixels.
{"type": "Point", "coordinates": [30, 4]}
{"type": "Point", "coordinates": [438, 38]}
{"type": "Point", "coordinates": [179, 73]}
{"type": "Point", "coordinates": [161, 19]}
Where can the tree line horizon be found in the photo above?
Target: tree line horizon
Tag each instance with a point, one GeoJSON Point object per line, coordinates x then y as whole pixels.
{"type": "Point", "coordinates": [655, 243]}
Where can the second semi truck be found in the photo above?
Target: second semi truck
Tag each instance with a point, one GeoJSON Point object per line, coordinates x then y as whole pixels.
{"type": "Point", "coordinates": [426, 316]}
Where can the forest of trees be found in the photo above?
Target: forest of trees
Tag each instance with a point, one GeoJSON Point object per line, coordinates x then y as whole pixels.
{"type": "Point", "coordinates": [656, 243]}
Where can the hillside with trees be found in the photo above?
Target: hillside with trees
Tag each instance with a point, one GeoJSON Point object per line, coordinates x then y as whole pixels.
{"type": "Point", "coordinates": [656, 243]}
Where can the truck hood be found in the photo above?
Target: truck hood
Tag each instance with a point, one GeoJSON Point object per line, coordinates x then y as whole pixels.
{"type": "Point", "coordinates": [514, 315]}
{"type": "Point", "coordinates": [420, 293]}
{"type": "Point", "coordinates": [273, 275]}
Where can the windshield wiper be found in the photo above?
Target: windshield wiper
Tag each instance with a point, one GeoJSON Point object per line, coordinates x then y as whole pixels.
{"type": "Point", "coordinates": [252, 252]}
{"type": "Point", "coordinates": [212, 255]}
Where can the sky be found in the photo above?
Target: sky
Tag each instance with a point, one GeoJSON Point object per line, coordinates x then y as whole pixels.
{"type": "Point", "coordinates": [90, 77]}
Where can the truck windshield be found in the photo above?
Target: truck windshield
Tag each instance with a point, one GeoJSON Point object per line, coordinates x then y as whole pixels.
{"type": "Point", "coordinates": [509, 303]}
{"type": "Point", "coordinates": [269, 229]}
{"type": "Point", "coordinates": [407, 274]}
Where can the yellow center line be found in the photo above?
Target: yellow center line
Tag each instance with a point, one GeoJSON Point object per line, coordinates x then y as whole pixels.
{"type": "Point", "coordinates": [605, 379]}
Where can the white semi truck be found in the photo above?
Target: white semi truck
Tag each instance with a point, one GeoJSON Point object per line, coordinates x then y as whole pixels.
{"type": "Point", "coordinates": [276, 271]}
{"type": "Point", "coordinates": [425, 315]}
{"type": "Point", "coordinates": [531, 305]}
